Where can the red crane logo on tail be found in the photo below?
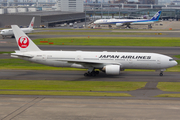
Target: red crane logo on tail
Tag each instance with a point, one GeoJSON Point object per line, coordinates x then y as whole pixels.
{"type": "Point", "coordinates": [23, 42]}
{"type": "Point", "coordinates": [32, 24]}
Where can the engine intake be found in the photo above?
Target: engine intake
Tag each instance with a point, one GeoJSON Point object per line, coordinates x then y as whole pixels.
{"type": "Point", "coordinates": [112, 69]}
{"type": "Point", "coordinates": [118, 24]}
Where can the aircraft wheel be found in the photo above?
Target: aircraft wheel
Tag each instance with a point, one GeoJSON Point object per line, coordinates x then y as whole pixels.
{"type": "Point", "coordinates": [85, 74]}
{"type": "Point", "coordinates": [97, 72]}
{"type": "Point", "coordinates": [161, 74]}
{"type": "Point", "coordinates": [93, 74]}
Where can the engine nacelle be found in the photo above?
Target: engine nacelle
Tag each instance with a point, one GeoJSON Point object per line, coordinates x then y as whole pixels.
{"type": "Point", "coordinates": [112, 69]}
{"type": "Point", "coordinates": [118, 24]}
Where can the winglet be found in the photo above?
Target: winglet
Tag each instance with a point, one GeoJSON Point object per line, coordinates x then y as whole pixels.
{"type": "Point", "coordinates": [156, 16]}
{"type": "Point", "coordinates": [24, 43]}
{"type": "Point", "coordinates": [32, 23]}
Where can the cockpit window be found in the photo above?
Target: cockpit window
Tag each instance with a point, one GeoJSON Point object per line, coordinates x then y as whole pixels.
{"type": "Point", "coordinates": [171, 59]}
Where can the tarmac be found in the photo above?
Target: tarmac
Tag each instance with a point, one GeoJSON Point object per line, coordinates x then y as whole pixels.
{"type": "Point", "coordinates": [142, 106]}
{"type": "Point", "coordinates": [45, 108]}
{"type": "Point", "coordinates": [150, 89]}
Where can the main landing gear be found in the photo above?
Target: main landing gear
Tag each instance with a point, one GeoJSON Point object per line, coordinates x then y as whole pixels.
{"type": "Point", "coordinates": [161, 73]}
{"type": "Point", "coordinates": [149, 26]}
{"type": "Point", "coordinates": [93, 73]}
{"type": "Point", "coordinates": [128, 27]}
{"type": "Point", "coordinates": [3, 37]}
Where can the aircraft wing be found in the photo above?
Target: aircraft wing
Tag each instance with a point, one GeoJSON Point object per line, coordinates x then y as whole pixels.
{"type": "Point", "coordinates": [126, 23]}
{"type": "Point", "coordinates": [89, 62]}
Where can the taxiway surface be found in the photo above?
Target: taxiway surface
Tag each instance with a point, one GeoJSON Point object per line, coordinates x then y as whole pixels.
{"type": "Point", "coordinates": [150, 90]}
{"type": "Point", "coordinates": [25, 107]}
{"type": "Point", "coordinates": [79, 76]}
{"type": "Point", "coordinates": [9, 44]}
{"type": "Point", "coordinates": [44, 108]}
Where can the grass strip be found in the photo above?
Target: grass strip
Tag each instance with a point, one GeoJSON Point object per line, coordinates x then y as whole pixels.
{"type": "Point", "coordinates": [177, 56]}
{"type": "Point", "coordinates": [64, 93]}
{"type": "Point", "coordinates": [8, 52]}
{"type": "Point", "coordinates": [18, 64]}
{"type": "Point", "coordinates": [91, 33]}
{"type": "Point", "coordinates": [168, 95]}
{"type": "Point", "coordinates": [109, 41]}
{"type": "Point", "coordinates": [169, 86]}
{"type": "Point", "coordinates": [69, 85]}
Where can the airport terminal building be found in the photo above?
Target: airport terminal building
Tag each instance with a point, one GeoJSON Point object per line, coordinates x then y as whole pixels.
{"type": "Point", "coordinates": [42, 18]}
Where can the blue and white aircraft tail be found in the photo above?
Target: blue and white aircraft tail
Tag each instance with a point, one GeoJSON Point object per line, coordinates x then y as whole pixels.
{"type": "Point", "coordinates": [156, 16]}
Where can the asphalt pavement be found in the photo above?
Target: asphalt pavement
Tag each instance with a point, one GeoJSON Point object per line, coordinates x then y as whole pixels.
{"type": "Point", "coordinates": [63, 108]}
{"type": "Point", "coordinates": [142, 106]}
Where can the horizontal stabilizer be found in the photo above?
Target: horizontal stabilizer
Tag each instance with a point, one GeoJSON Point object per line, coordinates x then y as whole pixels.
{"type": "Point", "coordinates": [20, 55]}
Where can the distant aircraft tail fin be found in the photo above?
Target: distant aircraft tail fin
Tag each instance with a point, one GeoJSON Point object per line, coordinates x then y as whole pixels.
{"type": "Point", "coordinates": [156, 16]}
{"type": "Point", "coordinates": [24, 43]}
{"type": "Point", "coordinates": [32, 23]}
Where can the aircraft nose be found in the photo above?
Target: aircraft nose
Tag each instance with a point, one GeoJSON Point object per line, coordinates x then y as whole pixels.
{"type": "Point", "coordinates": [96, 22]}
{"type": "Point", "coordinates": [2, 32]}
{"type": "Point", "coordinates": [175, 63]}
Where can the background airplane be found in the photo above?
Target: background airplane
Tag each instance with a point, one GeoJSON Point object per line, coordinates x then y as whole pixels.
{"type": "Point", "coordinates": [109, 62]}
{"type": "Point", "coordinates": [128, 22]}
{"type": "Point", "coordinates": [9, 32]}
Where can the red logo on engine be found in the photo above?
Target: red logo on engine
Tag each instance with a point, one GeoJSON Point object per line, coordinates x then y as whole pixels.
{"type": "Point", "coordinates": [23, 42]}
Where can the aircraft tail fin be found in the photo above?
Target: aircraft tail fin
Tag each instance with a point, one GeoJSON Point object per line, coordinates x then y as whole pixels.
{"type": "Point", "coordinates": [24, 43]}
{"type": "Point", "coordinates": [32, 23]}
{"type": "Point", "coordinates": [156, 16]}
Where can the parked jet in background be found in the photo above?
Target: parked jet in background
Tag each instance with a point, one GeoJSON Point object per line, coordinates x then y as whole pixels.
{"type": "Point", "coordinates": [109, 62]}
{"type": "Point", "coordinates": [9, 32]}
{"type": "Point", "coordinates": [128, 22]}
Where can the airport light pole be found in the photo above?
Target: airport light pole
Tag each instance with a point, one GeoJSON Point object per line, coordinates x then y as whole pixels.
{"type": "Point", "coordinates": [85, 15]}
{"type": "Point", "coordinates": [119, 11]}
{"type": "Point", "coordinates": [94, 12]}
{"type": "Point", "coordinates": [108, 10]}
{"type": "Point", "coordinates": [101, 10]}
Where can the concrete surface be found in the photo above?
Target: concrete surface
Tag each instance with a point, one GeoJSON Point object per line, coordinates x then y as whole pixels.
{"type": "Point", "coordinates": [44, 108]}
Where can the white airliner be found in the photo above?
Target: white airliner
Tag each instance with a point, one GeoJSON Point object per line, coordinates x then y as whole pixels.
{"type": "Point", "coordinates": [109, 62]}
{"type": "Point", "coordinates": [128, 22]}
{"type": "Point", "coordinates": [9, 32]}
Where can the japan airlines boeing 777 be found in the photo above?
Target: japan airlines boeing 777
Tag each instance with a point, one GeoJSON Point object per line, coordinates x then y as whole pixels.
{"type": "Point", "coordinates": [122, 22]}
{"type": "Point", "coordinates": [9, 32]}
{"type": "Point", "coordinates": [109, 62]}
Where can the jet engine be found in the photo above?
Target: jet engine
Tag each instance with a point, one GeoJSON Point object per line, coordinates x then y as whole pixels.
{"type": "Point", "coordinates": [112, 69]}
{"type": "Point", "coordinates": [118, 24]}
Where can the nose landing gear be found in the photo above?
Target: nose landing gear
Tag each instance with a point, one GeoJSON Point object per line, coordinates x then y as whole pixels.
{"type": "Point", "coordinates": [161, 72]}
